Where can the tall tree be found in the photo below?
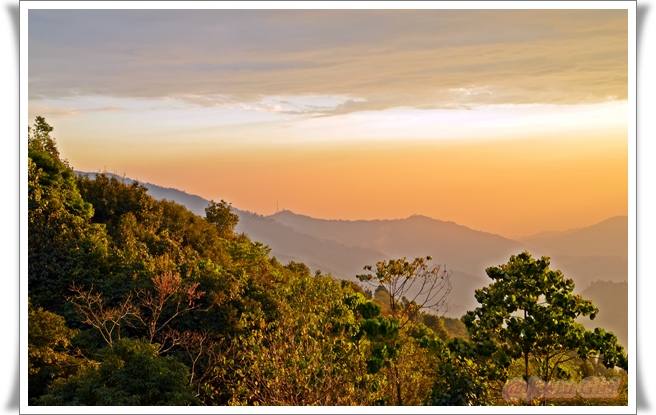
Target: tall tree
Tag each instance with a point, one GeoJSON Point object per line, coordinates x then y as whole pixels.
{"type": "Point", "coordinates": [531, 311]}
{"type": "Point", "coordinates": [62, 243]}
{"type": "Point", "coordinates": [467, 373]}
{"type": "Point", "coordinates": [222, 217]}
{"type": "Point", "coordinates": [48, 349]}
{"type": "Point", "coordinates": [410, 288]}
{"type": "Point", "coordinates": [39, 139]}
{"type": "Point", "coordinates": [130, 372]}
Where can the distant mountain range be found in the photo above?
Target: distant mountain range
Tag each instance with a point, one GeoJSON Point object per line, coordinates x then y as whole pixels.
{"type": "Point", "coordinates": [609, 237]}
{"type": "Point", "coordinates": [613, 302]}
{"type": "Point", "coordinates": [343, 248]}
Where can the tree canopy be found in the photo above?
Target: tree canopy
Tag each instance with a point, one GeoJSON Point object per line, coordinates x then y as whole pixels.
{"type": "Point", "coordinates": [531, 311]}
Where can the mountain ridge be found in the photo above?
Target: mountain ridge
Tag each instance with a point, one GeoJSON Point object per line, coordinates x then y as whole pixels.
{"type": "Point", "coordinates": [343, 247]}
{"type": "Point", "coordinates": [587, 241]}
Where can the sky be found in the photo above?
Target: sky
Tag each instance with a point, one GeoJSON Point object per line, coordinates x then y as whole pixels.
{"type": "Point", "coordinates": [507, 121]}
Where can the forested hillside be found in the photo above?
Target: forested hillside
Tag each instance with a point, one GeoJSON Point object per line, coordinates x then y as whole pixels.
{"type": "Point", "coordinates": [341, 247]}
{"type": "Point", "coordinates": [139, 301]}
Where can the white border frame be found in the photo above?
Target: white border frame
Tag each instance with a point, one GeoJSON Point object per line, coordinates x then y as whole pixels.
{"type": "Point", "coordinates": [630, 6]}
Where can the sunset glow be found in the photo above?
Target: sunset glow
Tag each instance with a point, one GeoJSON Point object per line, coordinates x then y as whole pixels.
{"type": "Point", "coordinates": [507, 121]}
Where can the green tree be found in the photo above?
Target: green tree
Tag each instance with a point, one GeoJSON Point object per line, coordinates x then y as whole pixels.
{"type": "Point", "coordinates": [148, 236]}
{"type": "Point", "coordinates": [151, 312]}
{"type": "Point", "coordinates": [437, 324]}
{"type": "Point", "coordinates": [310, 355]}
{"type": "Point", "coordinates": [62, 243]}
{"type": "Point", "coordinates": [531, 312]}
{"type": "Point", "coordinates": [49, 350]}
{"type": "Point", "coordinates": [112, 198]}
{"type": "Point", "coordinates": [382, 298]}
{"type": "Point", "coordinates": [221, 216]}
{"type": "Point", "coordinates": [130, 372]}
{"type": "Point", "coordinates": [307, 356]}
{"type": "Point", "coordinates": [39, 139]}
{"type": "Point", "coordinates": [409, 288]}
{"type": "Point", "coordinates": [467, 373]}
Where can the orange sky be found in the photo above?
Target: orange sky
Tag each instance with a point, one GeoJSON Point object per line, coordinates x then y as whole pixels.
{"type": "Point", "coordinates": [511, 122]}
{"type": "Point", "coordinates": [511, 187]}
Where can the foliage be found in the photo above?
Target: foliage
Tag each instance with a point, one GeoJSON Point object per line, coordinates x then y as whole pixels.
{"type": "Point", "coordinates": [62, 243]}
{"type": "Point", "coordinates": [530, 311]}
{"type": "Point", "coordinates": [406, 289]}
{"type": "Point", "coordinates": [221, 216]}
{"type": "Point", "coordinates": [49, 350]}
{"type": "Point", "coordinates": [411, 286]}
{"type": "Point", "coordinates": [455, 327]}
{"type": "Point", "coordinates": [39, 139]}
{"type": "Point", "coordinates": [437, 324]}
{"type": "Point", "coordinates": [308, 356]}
{"type": "Point", "coordinates": [129, 373]}
{"type": "Point", "coordinates": [467, 373]}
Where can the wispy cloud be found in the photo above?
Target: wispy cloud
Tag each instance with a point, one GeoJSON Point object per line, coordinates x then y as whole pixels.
{"type": "Point", "coordinates": [68, 111]}
{"type": "Point", "coordinates": [103, 109]}
{"type": "Point", "coordinates": [375, 60]}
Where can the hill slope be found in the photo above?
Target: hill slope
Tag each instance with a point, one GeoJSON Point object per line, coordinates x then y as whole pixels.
{"type": "Point", "coordinates": [597, 252]}
{"type": "Point", "coordinates": [319, 254]}
{"type": "Point", "coordinates": [612, 299]}
{"type": "Point", "coordinates": [608, 238]}
{"type": "Point", "coordinates": [448, 243]}
{"type": "Point", "coordinates": [343, 248]}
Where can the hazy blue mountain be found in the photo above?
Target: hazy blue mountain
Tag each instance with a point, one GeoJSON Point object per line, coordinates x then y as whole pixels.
{"type": "Point", "coordinates": [289, 245]}
{"type": "Point", "coordinates": [608, 238]}
{"type": "Point", "coordinates": [612, 299]}
{"type": "Point", "coordinates": [456, 246]}
{"type": "Point", "coordinates": [597, 252]}
{"type": "Point", "coordinates": [586, 269]}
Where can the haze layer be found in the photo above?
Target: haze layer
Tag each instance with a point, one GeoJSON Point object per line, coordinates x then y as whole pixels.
{"type": "Point", "coordinates": [508, 121]}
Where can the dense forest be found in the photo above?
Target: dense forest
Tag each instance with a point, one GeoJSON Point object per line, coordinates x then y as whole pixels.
{"type": "Point", "coordinates": [138, 301]}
